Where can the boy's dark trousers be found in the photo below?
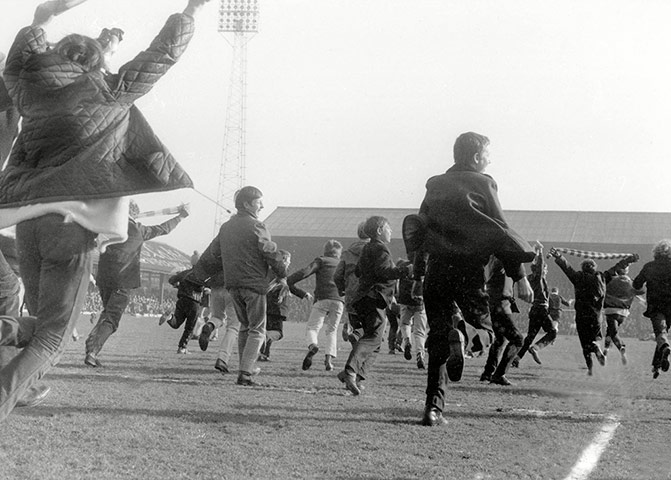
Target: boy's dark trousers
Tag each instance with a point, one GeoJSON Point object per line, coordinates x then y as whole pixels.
{"type": "Point", "coordinates": [186, 310]}
{"type": "Point", "coordinates": [449, 289]}
{"type": "Point", "coordinates": [539, 317]}
{"type": "Point", "coordinates": [589, 332]}
{"type": "Point", "coordinates": [504, 329]}
{"type": "Point", "coordinates": [115, 300]}
{"type": "Point", "coordinates": [393, 330]}
{"type": "Point", "coordinates": [371, 320]}
{"type": "Point", "coordinates": [613, 321]}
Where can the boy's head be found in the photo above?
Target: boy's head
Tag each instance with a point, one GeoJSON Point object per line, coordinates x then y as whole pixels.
{"type": "Point", "coordinates": [662, 250]}
{"type": "Point", "coordinates": [82, 50]}
{"type": "Point", "coordinates": [472, 150]}
{"type": "Point", "coordinates": [361, 231]}
{"type": "Point", "coordinates": [286, 257]}
{"type": "Point", "coordinates": [248, 199]}
{"type": "Point", "coordinates": [378, 228]}
{"type": "Point", "coordinates": [554, 290]}
{"type": "Point", "coordinates": [588, 266]}
{"type": "Point", "coordinates": [332, 248]}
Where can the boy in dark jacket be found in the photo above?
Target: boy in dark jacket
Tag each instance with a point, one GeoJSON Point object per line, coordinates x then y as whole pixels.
{"type": "Point", "coordinates": [413, 323]}
{"type": "Point", "coordinates": [377, 280]}
{"type": "Point", "coordinates": [118, 274]}
{"type": "Point", "coordinates": [656, 276]}
{"type": "Point", "coordinates": [190, 290]}
{"type": "Point", "coordinates": [465, 225]}
{"type": "Point", "coordinates": [590, 290]}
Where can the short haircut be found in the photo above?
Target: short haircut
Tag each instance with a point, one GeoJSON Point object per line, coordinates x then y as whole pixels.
{"type": "Point", "coordinates": [246, 195]}
{"type": "Point", "coordinates": [332, 248]}
{"type": "Point", "coordinates": [361, 232]}
{"type": "Point", "coordinates": [82, 50]}
{"type": "Point", "coordinates": [662, 250]}
{"type": "Point", "coordinates": [372, 224]}
{"type": "Point", "coordinates": [467, 145]}
{"type": "Point", "coordinates": [554, 290]}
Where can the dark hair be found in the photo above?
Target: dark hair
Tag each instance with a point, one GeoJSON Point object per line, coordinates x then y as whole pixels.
{"type": "Point", "coordinates": [588, 266]}
{"type": "Point", "coordinates": [361, 233]}
{"type": "Point", "coordinates": [246, 195]}
{"type": "Point", "coordinates": [467, 145]}
{"type": "Point", "coordinates": [332, 247]}
{"type": "Point", "coordinates": [82, 50]}
{"type": "Point", "coordinates": [372, 224]}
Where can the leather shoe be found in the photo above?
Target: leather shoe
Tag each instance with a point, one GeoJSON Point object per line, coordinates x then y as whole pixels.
{"type": "Point", "coordinates": [221, 366]}
{"type": "Point", "coordinates": [486, 377]}
{"type": "Point", "coordinates": [92, 361]}
{"type": "Point", "coordinates": [246, 380]}
{"type": "Point", "coordinates": [205, 333]}
{"type": "Point", "coordinates": [433, 418]}
{"type": "Point", "coordinates": [500, 380]}
{"type": "Point", "coordinates": [665, 358]}
{"type": "Point", "coordinates": [455, 361]}
{"type": "Point", "coordinates": [34, 396]}
{"type": "Point", "coordinates": [349, 379]}
{"type": "Point", "coordinates": [307, 361]}
{"type": "Point", "coordinates": [533, 351]}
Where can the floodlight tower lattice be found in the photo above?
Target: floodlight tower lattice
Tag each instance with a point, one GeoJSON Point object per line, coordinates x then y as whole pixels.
{"type": "Point", "coordinates": [237, 19]}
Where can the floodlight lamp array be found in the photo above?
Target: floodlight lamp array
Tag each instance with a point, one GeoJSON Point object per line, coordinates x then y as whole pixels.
{"type": "Point", "coordinates": [238, 15]}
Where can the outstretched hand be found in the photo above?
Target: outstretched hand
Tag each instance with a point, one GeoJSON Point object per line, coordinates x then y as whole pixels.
{"type": "Point", "coordinates": [554, 252]}
{"type": "Point", "coordinates": [45, 12]}
{"type": "Point", "coordinates": [194, 7]}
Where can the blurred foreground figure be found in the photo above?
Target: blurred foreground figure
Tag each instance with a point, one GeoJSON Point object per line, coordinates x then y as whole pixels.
{"type": "Point", "coordinates": [83, 148]}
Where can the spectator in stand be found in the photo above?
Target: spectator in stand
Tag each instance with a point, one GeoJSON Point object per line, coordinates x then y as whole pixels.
{"type": "Point", "coordinates": [118, 274]}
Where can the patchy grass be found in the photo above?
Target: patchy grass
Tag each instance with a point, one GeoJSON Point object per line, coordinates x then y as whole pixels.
{"type": "Point", "coordinates": [153, 414]}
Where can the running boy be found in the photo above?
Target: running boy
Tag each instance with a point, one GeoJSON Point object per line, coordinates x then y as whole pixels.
{"type": "Point", "coordinates": [377, 280]}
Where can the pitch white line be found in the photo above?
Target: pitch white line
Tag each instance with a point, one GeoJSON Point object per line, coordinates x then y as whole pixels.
{"type": "Point", "coordinates": [590, 456]}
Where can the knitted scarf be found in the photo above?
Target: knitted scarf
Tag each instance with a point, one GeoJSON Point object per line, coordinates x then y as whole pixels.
{"type": "Point", "coordinates": [590, 254]}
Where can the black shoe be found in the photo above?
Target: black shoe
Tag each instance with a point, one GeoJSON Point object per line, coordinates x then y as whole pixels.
{"type": "Point", "coordinates": [350, 381]}
{"type": "Point", "coordinates": [655, 372]}
{"type": "Point", "coordinates": [500, 380]}
{"type": "Point", "coordinates": [33, 396]}
{"type": "Point", "coordinates": [486, 377]}
{"type": "Point", "coordinates": [307, 361]}
{"type": "Point", "coordinates": [205, 333]}
{"type": "Point", "coordinates": [246, 380]}
{"type": "Point", "coordinates": [533, 351]}
{"type": "Point", "coordinates": [665, 358]}
{"type": "Point", "coordinates": [328, 364]}
{"type": "Point", "coordinates": [407, 351]}
{"type": "Point", "coordinates": [92, 361]}
{"type": "Point", "coordinates": [433, 418]}
{"type": "Point", "coordinates": [455, 361]}
{"type": "Point", "coordinates": [221, 366]}
{"type": "Point", "coordinates": [600, 357]}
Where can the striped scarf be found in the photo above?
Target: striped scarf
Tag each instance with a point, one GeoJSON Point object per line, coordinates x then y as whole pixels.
{"type": "Point", "coordinates": [164, 211]}
{"type": "Point", "coordinates": [590, 254]}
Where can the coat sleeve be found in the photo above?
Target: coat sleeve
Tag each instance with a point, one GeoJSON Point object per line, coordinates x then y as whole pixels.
{"type": "Point", "coordinates": [153, 231]}
{"type": "Point", "coordinates": [137, 77]}
{"type": "Point", "coordinates": [566, 268]}
{"type": "Point", "coordinates": [269, 250]}
{"type": "Point", "coordinates": [383, 266]}
{"type": "Point", "coordinates": [210, 262]}
{"type": "Point", "coordinates": [304, 273]}
{"type": "Point", "coordinates": [29, 41]}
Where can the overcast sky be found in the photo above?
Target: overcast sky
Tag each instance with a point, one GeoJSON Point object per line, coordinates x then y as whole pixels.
{"type": "Point", "coordinates": [355, 103]}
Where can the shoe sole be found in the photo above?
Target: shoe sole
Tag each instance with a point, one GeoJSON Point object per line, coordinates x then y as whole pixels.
{"type": "Point", "coordinates": [455, 361]}
{"type": "Point", "coordinates": [534, 355]}
{"type": "Point", "coordinates": [204, 338]}
{"type": "Point", "coordinates": [35, 400]}
{"type": "Point", "coordinates": [349, 383]}
{"type": "Point", "coordinates": [307, 361]}
{"type": "Point", "coordinates": [665, 359]}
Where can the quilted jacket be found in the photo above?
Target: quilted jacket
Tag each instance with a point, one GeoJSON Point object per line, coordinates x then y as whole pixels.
{"type": "Point", "coordinates": [82, 137]}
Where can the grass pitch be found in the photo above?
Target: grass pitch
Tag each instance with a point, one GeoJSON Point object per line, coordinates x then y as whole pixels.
{"type": "Point", "coordinates": [153, 414]}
